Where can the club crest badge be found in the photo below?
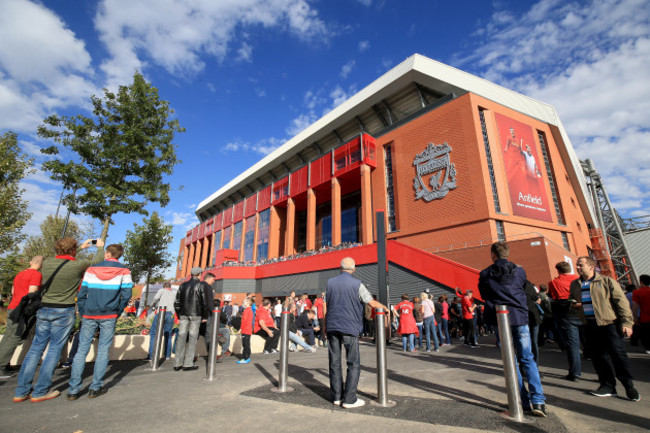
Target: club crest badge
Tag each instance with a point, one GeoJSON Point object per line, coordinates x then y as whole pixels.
{"type": "Point", "coordinates": [436, 163]}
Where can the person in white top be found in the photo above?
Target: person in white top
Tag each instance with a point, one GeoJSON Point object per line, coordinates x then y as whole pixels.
{"type": "Point", "coordinates": [277, 312]}
{"type": "Point", "coordinates": [428, 311]}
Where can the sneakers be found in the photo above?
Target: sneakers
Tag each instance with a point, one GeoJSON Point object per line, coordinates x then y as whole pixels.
{"type": "Point", "coordinates": [192, 368]}
{"type": "Point", "coordinates": [336, 402]}
{"type": "Point", "coordinates": [266, 352]}
{"type": "Point", "coordinates": [274, 351]}
{"type": "Point", "coordinates": [312, 349]}
{"type": "Point", "coordinates": [357, 403]}
{"type": "Point", "coordinates": [96, 393]}
{"type": "Point", "coordinates": [632, 394]}
{"type": "Point", "coordinates": [178, 368]}
{"type": "Point", "coordinates": [49, 396]}
{"type": "Point", "coordinates": [67, 364]}
{"type": "Point", "coordinates": [604, 392]}
{"type": "Point", "coordinates": [22, 398]}
{"type": "Point", "coordinates": [539, 410]}
{"type": "Point", "coordinates": [244, 361]}
{"type": "Point", "coordinates": [72, 397]}
{"type": "Point", "coordinates": [11, 368]}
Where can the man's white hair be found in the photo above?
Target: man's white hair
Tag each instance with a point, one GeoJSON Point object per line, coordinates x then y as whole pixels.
{"type": "Point", "coordinates": [347, 264]}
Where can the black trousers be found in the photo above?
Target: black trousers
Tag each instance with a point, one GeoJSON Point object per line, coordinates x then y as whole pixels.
{"type": "Point", "coordinates": [608, 355]}
{"type": "Point", "coordinates": [246, 346]}
{"type": "Point", "coordinates": [469, 331]}
{"type": "Point", "coordinates": [270, 343]}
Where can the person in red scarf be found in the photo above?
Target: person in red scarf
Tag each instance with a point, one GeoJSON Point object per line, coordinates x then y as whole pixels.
{"type": "Point", "coordinates": [407, 326]}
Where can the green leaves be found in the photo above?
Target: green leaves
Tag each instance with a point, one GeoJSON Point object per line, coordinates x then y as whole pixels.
{"type": "Point", "coordinates": [14, 166]}
{"type": "Point", "coordinates": [120, 156]}
{"type": "Point", "coordinates": [145, 248]}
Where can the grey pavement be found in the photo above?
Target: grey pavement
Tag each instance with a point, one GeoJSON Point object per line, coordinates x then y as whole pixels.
{"type": "Point", "coordinates": [456, 390]}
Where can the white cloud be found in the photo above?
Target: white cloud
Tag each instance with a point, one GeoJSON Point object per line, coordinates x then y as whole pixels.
{"type": "Point", "coordinates": [178, 34]}
{"type": "Point", "coordinates": [245, 52]}
{"type": "Point", "coordinates": [363, 46]}
{"type": "Point", "coordinates": [591, 61]}
{"type": "Point", "coordinates": [43, 65]}
{"type": "Point", "coordinates": [181, 218]}
{"type": "Point", "coordinates": [366, 3]}
{"type": "Point", "coordinates": [347, 68]}
{"type": "Point", "coordinates": [263, 147]}
{"type": "Point", "coordinates": [300, 123]}
{"type": "Point", "coordinates": [386, 63]}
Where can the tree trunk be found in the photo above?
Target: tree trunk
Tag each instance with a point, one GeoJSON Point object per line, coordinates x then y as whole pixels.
{"type": "Point", "coordinates": [106, 223]}
{"type": "Point", "coordinates": [146, 287]}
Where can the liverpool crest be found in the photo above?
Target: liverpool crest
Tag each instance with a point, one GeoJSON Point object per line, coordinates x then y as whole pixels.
{"type": "Point", "coordinates": [434, 161]}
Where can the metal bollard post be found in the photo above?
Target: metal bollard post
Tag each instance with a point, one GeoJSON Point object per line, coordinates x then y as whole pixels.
{"type": "Point", "coordinates": [160, 326]}
{"type": "Point", "coordinates": [382, 375]}
{"type": "Point", "coordinates": [284, 352]}
{"type": "Point", "coordinates": [214, 337]}
{"type": "Point", "coordinates": [515, 412]}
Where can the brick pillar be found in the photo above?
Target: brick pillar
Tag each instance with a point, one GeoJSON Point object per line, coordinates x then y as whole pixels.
{"type": "Point", "coordinates": [366, 206]}
{"type": "Point", "coordinates": [186, 253]}
{"type": "Point", "coordinates": [290, 229]}
{"type": "Point", "coordinates": [311, 220]}
{"type": "Point", "coordinates": [204, 252]}
{"type": "Point", "coordinates": [274, 233]}
{"type": "Point", "coordinates": [190, 260]}
{"type": "Point", "coordinates": [336, 212]}
{"type": "Point", "coordinates": [197, 253]}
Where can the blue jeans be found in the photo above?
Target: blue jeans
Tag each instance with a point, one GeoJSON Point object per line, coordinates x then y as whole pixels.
{"type": "Point", "coordinates": [444, 326]}
{"type": "Point", "coordinates": [167, 334]}
{"type": "Point", "coordinates": [534, 394]}
{"type": "Point", "coordinates": [411, 341]}
{"type": "Point", "coordinates": [351, 343]}
{"type": "Point", "coordinates": [106, 329]}
{"type": "Point", "coordinates": [296, 339]}
{"type": "Point", "coordinates": [53, 326]}
{"type": "Point", "coordinates": [418, 339]}
{"type": "Point", "coordinates": [570, 327]}
{"type": "Point", "coordinates": [429, 330]}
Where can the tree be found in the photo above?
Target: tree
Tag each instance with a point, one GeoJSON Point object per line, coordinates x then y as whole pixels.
{"type": "Point", "coordinates": [10, 264]}
{"type": "Point", "coordinates": [120, 156]}
{"type": "Point", "coordinates": [51, 229]}
{"type": "Point", "coordinates": [145, 249]}
{"type": "Point", "coordinates": [14, 166]}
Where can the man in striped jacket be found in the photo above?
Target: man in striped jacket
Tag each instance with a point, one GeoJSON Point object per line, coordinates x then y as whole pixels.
{"type": "Point", "coordinates": [105, 292]}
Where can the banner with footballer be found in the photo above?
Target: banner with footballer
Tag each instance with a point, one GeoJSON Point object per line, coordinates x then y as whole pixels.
{"type": "Point", "coordinates": [524, 169]}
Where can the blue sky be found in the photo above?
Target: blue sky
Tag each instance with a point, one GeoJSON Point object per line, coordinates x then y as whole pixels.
{"type": "Point", "coordinates": [244, 76]}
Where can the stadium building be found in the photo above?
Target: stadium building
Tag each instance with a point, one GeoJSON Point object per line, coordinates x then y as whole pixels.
{"type": "Point", "coordinates": [455, 162]}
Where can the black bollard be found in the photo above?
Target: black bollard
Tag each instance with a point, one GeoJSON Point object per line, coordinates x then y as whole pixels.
{"type": "Point", "coordinates": [214, 337]}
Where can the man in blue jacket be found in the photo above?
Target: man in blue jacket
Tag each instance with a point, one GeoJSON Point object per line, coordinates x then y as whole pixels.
{"type": "Point", "coordinates": [502, 283]}
{"type": "Point", "coordinates": [105, 291]}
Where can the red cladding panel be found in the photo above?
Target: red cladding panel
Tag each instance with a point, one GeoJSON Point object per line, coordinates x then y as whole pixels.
{"type": "Point", "coordinates": [299, 180]}
{"type": "Point", "coordinates": [281, 190]}
{"type": "Point", "coordinates": [239, 212]}
{"type": "Point", "coordinates": [227, 217]}
{"type": "Point", "coordinates": [201, 231]}
{"type": "Point", "coordinates": [369, 154]}
{"type": "Point", "coordinates": [321, 170]}
{"type": "Point", "coordinates": [217, 222]}
{"type": "Point", "coordinates": [249, 209]}
{"type": "Point", "coordinates": [347, 157]}
{"type": "Point", "coordinates": [209, 226]}
{"type": "Point", "coordinates": [264, 200]}
{"type": "Point", "coordinates": [195, 232]}
{"type": "Point", "coordinates": [188, 238]}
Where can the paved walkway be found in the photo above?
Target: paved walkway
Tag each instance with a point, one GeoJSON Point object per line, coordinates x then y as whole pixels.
{"type": "Point", "coordinates": [457, 390]}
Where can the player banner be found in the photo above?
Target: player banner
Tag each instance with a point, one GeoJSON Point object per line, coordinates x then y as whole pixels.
{"type": "Point", "coordinates": [523, 169]}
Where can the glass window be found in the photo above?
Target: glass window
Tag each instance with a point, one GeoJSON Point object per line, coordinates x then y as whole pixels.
{"type": "Point", "coordinates": [263, 235]}
{"type": "Point", "coordinates": [249, 238]}
{"type": "Point", "coordinates": [350, 213]}
{"type": "Point", "coordinates": [236, 244]}
{"type": "Point", "coordinates": [226, 237]}
{"type": "Point", "coordinates": [488, 155]}
{"type": "Point", "coordinates": [217, 245]}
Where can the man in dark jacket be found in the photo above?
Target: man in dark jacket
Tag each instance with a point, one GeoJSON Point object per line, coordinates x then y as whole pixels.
{"type": "Point", "coordinates": [502, 283]}
{"type": "Point", "coordinates": [192, 305]}
{"type": "Point", "coordinates": [304, 324]}
{"type": "Point", "coordinates": [534, 317]}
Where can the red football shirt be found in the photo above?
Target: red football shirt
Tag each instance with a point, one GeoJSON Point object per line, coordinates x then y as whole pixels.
{"type": "Point", "coordinates": [318, 303]}
{"type": "Point", "coordinates": [467, 308]}
{"type": "Point", "coordinates": [641, 297]}
{"type": "Point", "coordinates": [24, 279]}
{"type": "Point", "coordinates": [263, 315]}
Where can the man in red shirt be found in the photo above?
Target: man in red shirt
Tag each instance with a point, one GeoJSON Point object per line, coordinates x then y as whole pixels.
{"type": "Point", "coordinates": [641, 310]}
{"type": "Point", "coordinates": [265, 327]}
{"type": "Point", "coordinates": [27, 281]}
{"type": "Point", "coordinates": [567, 318]}
{"type": "Point", "coordinates": [319, 305]}
{"type": "Point", "coordinates": [468, 307]}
